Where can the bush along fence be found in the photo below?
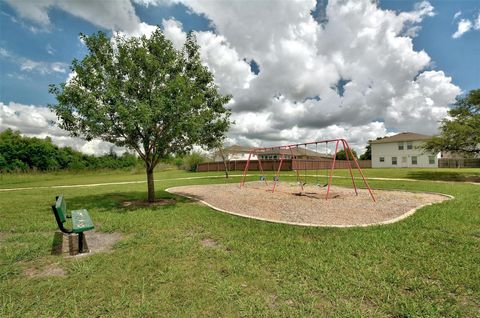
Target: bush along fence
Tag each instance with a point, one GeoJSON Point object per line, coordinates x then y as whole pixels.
{"type": "Point", "coordinates": [458, 163]}
{"type": "Point", "coordinates": [272, 165]}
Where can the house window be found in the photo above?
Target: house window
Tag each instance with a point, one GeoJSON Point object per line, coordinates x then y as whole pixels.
{"type": "Point", "coordinates": [409, 145]}
{"type": "Point", "coordinates": [382, 159]}
{"type": "Point", "coordinates": [400, 146]}
{"type": "Point", "coordinates": [431, 160]}
{"type": "Point", "coordinates": [414, 160]}
{"type": "Point", "coordinates": [394, 160]}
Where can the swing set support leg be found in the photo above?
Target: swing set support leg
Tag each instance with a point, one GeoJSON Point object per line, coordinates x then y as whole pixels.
{"type": "Point", "coordinates": [331, 170]}
{"type": "Point", "coordinates": [348, 154]}
{"type": "Point", "coordinates": [246, 170]}
{"type": "Point", "coordinates": [363, 177]}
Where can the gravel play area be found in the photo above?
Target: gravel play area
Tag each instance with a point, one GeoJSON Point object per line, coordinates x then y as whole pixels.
{"type": "Point", "coordinates": [343, 208]}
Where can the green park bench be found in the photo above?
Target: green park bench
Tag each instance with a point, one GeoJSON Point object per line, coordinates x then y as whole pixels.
{"type": "Point", "coordinates": [81, 221]}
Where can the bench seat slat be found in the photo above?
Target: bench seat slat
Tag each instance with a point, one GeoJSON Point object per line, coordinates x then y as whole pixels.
{"type": "Point", "coordinates": [81, 221]}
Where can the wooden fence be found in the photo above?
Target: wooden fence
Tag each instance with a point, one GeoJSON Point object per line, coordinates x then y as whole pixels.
{"type": "Point", "coordinates": [287, 165]}
{"type": "Point", "coordinates": [458, 163]}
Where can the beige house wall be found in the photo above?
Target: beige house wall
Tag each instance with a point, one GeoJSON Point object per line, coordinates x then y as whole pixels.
{"type": "Point", "coordinates": [405, 157]}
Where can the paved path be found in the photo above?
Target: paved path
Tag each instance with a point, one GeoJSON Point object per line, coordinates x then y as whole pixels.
{"type": "Point", "coordinates": [108, 183]}
{"type": "Point", "coordinates": [216, 176]}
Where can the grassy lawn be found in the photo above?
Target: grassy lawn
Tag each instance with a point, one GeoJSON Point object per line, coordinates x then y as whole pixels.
{"type": "Point", "coordinates": [424, 266]}
{"type": "Point", "coordinates": [89, 177]}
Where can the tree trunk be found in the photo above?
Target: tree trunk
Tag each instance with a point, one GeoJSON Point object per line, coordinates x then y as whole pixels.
{"type": "Point", "coordinates": [225, 167]}
{"type": "Point", "coordinates": [224, 163]}
{"type": "Point", "coordinates": [150, 185]}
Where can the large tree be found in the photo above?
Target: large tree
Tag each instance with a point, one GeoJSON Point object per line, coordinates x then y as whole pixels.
{"type": "Point", "coordinates": [460, 130]}
{"type": "Point", "coordinates": [141, 93]}
{"type": "Point", "coordinates": [367, 155]}
{"type": "Point", "coordinates": [342, 155]}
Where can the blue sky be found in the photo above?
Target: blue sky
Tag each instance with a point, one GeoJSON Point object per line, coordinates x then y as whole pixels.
{"type": "Point", "coordinates": [350, 71]}
{"type": "Point", "coordinates": [59, 44]}
{"type": "Point", "coordinates": [459, 58]}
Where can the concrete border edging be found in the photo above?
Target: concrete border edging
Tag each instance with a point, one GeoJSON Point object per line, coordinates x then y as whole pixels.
{"type": "Point", "coordinates": [394, 220]}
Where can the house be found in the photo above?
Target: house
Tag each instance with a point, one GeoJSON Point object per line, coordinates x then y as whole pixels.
{"type": "Point", "coordinates": [231, 153]}
{"type": "Point", "coordinates": [296, 153]}
{"type": "Point", "coordinates": [402, 151]}
{"type": "Point", "coordinates": [237, 152]}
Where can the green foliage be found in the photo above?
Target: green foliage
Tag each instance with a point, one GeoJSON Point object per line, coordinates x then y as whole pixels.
{"type": "Point", "coordinates": [460, 132]}
{"type": "Point", "coordinates": [143, 94]}
{"type": "Point", "coordinates": [178, 162]}
{"type": "Point", "coordinates": [19, 153]}
{"type": "Point", "coordinates": [342, 156]}
{"type": "Point", "coordinates": [367, 155]}
{"type": "Point", "coordinates": [192, 160]}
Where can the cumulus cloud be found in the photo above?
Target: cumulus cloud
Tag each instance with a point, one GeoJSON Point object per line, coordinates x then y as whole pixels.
{"type": "Point", "coordinates": [112, 15]}
{"type": "Point", "coordinates": [476, 26]}
{"type": "Point", "coordinates": [359, 71]}
{"type": "Point", "coordinates": [37, 121]}
{"type": "Point", "coordinates": [173, 31]}
{"type": "Point", "coordinates": [28, 65]}
{"type": "Point", "coordinates": [457, 15]}
{"type": "Point", "coordinates": [464, 25]}
{"type": "Point", "coordinates": [50, 50]}
{"type": "Point", "coordinates": [232, 73]}
{"type": "Point", "coordinates": [355, 74]}
{"type": "Point", "coordinates": [43, 67]}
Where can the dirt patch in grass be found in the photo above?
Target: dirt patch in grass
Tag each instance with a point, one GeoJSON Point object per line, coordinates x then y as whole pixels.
{"type": "Point", "coordinates": [343, 208]}
{"type": "Point", "coordinates": [102, 242]}
{"type": "Point", "coordinates": [95, 242]}
{"type": "Point", "coordinates": [209, 242]}
{"type": "Point", "coordinates": [49, 270]}
{"type": "Point", "coordinates": [143, 203]}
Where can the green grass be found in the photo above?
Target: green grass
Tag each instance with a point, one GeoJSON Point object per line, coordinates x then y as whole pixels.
{"type": "Point", "coordinates": [18, 180]}
{"type": "Point", "coordinates": [424, 266]}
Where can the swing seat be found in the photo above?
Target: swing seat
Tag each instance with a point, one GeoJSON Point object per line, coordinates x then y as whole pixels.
{"type": "Point", "coordinates": [262, 178]}
{"type": "Point", "coordinates": [275, 179]}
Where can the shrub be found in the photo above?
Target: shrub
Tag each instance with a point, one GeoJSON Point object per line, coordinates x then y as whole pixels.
{"type": "Point", "coordinates": [192, 160]}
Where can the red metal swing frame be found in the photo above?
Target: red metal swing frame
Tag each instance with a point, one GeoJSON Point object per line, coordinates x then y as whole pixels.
{"type": "Point", "coordinates": [346, 148]}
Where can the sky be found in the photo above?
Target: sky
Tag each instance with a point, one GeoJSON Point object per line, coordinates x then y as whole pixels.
{"type": "Point", "coordinates": [298, 71]}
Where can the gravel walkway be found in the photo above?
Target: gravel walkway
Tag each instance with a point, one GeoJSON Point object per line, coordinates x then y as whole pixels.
{"type": "Point", "coordinates": [342, 209]}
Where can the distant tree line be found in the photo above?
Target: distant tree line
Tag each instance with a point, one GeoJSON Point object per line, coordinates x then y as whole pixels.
{"type": "Point", "coordinates": [20, 153]}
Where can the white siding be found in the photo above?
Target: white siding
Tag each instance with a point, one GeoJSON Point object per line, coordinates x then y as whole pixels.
{"type": "Point", "coordinates": [404, 157]}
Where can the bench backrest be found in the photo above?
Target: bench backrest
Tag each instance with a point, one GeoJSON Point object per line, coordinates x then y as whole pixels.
{"type": "Point", "coordinates": [61, 207]}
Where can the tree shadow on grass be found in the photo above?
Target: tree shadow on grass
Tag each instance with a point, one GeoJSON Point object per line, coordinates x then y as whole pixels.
{"type": "Point", "coordinates": [436, 175]}
{"type": "Point", "coordinates": [114, 202]}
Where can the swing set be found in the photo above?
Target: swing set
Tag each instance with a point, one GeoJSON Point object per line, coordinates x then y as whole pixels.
{"type": "Point", "coordinates": [257, 152]}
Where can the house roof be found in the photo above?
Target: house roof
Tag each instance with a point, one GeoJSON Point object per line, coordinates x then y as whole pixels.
{"type": "Point", "coordinates": [404, 136]}
{"type": "Point", "coordinates": [236, 149]}
{"type": "Point", "coordinates": [296, 152]}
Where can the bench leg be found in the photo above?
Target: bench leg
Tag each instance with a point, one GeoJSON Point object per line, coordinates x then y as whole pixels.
{"type": "Point", "coordinates": [80, 242]}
